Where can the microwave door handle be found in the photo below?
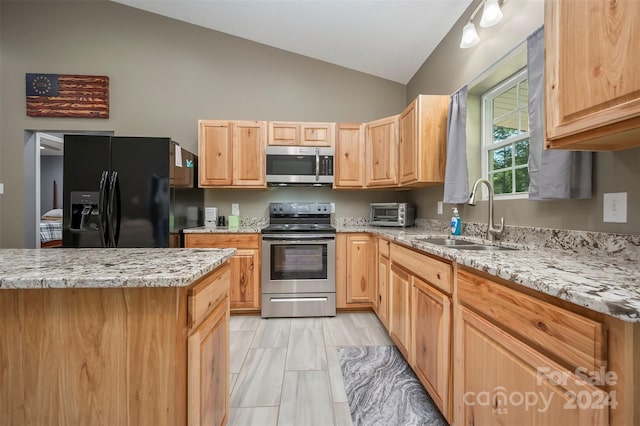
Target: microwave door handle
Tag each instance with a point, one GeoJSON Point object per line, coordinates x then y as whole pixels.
{"type": "Point", "coordinates": [317, 164]}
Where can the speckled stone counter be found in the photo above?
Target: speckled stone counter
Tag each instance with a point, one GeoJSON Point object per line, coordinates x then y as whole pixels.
{"type": "Point", "coordinates": [242, 229]}
{"type": "Point", "coordinates": [604, 283]}
{"type": "Point", "coordinates": [106, 268]}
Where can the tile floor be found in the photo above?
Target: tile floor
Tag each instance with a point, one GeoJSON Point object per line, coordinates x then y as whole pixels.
{"type": "Point", "coordinates": [286, 371]}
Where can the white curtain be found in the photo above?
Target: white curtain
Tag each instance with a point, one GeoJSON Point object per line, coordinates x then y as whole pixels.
{"type": "Point", "coordinates": [456, 177]}
{"type": "Point", "coordinates": [553, 174]}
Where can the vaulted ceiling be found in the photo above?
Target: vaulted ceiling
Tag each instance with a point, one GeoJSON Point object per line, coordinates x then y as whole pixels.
{"type": "Point", "coordinates": [386, 38]}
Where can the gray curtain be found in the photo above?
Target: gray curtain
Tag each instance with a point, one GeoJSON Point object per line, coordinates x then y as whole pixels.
{"type": "Point", "coordinates": [552, 174]}
{"type": "Point", "coordinates": [456, 176]}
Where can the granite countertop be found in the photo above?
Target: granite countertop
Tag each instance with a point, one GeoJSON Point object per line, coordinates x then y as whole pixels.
{"type": "Point", "coordinates": [243, 229]}
{"type": "Point", "coordinates": [106, 268]}
{"type": "Point", "coordinates": [606, 284]}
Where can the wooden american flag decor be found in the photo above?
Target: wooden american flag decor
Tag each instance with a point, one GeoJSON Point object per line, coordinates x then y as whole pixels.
{"type": "Point", "coordinates": [65, 95]}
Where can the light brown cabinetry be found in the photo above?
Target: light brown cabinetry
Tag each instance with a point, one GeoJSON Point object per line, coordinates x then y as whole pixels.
{"type": "Point", "coordinates": [592, 85]}
{"type": "Point", "coordinates": [431, 344]}
{"type": "Point", "coordinates": [400, 309]}
{"type": "Point", "coordinates": [208, 362]}
{"type": "Point", "coordinates": [422, 141]}
{"type": "Point", "coordinates": [382, 279]}
{"type": "Point", "coordinates": [245, 265]}
{"type": "Point", "coordinates": [302, 134]}
{"type": "Point", "coordinates": [512, 345]}
{"type": "Point", "coordinates": [426, 283]}
{"type": "Point", "coordinates": [382, 152]}
{"type": "Point", "coordinates": [504, 381]}
{"type": "Point", "coordinates": [354, 281]}
{"type": "Point", "coordinates": [114, 356]}
{"type": "Point", "coordinates": [232, 154]}
{"type": "Point", "coordinates": [349, 159]}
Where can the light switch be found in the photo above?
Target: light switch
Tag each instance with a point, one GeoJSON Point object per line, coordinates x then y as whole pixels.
{"type": "Point", "coordinates": [439, 207]}
{"type": "Point", "coordinates": [615, 207]}
{"type": "Point", "coordinates": [1, 188]}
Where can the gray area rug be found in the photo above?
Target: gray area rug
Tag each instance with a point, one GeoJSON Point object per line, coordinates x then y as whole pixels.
{"type": "Point", "coordinates": [383, 390]}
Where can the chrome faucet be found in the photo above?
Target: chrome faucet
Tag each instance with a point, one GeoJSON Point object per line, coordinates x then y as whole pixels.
{"type": "Point", "coordinates": [492, 231]}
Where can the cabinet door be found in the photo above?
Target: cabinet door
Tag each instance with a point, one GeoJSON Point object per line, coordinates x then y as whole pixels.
{"type": "Point", "coordinates": [208, 370]}
{"type": "Point", "coordinates": [349, 156]}
{"type": "Point", "coordinates": [249, 140]}
{"type": "Point", "coordinates": [284, 133]}
{"type": "Point", "coordinates": [383, 290]}
{"type": "Point", "coordinates": [317, 134]}
{"type": "Point", "coordinates": [431, 342]}
{"type": "Point", "coordinates": [382, 147]}
{"type": "Point", "coordinates": [359, 285]}
{"type": "Point", "coordinates": [591, 74]}
{"type": "Point", "coordinates": [504, 381]}
{"type": "Point", "coordinates": [245, 280]}
{"type": "Point", "coordinates": [408, 144]}
{"type": "Point", "coordinates": [399, 309]}
{"type": "Point", "coordinates": [423, 141]}
{"type": "Point", "coordinates": [214, 150]}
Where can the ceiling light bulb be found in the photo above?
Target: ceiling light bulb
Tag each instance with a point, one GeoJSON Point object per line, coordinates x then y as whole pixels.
{"type": "Point", "coordinates": [491, 14]}
{"type": "Point", "coordinates": [469, 36]}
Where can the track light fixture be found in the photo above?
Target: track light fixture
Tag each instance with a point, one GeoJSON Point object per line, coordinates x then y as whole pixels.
{"type": "Point", "coordinates": [491, 15]}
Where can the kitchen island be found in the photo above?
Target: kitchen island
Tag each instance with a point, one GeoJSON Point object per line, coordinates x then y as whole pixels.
{"type": "Point", "coordinates": [114, 336]}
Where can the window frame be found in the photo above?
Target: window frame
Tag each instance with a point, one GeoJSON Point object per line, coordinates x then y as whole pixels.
{"type": "Point", "coordinates": [487, 131]}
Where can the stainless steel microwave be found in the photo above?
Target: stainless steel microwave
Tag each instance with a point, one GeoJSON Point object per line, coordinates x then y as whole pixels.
{"type": "Point", "coordinates": [392, 214]}
{"type": "Point", "coordinates": [299, 165]}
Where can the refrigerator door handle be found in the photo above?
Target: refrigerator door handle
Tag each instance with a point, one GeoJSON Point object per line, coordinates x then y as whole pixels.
{"type": "Point", "coordinates": [102, 208]}
{"type": "Point", "coordinates": [113, 210]}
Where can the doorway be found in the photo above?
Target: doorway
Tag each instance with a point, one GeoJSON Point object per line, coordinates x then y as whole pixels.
{"type": "Point", "coordinates": [43, 157]}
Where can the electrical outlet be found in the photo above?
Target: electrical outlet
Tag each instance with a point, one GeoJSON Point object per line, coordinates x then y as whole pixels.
{"type": "Point", "coordinates": [235, 209]}
{"type": "Point", "coordinates": [1, 188]}
{"type": "Point", "coordinates": [615, 207]}
{"type": "Point", "coordinates": [333, 207]}
{"type": "Point", "coordinates": [439, 207]}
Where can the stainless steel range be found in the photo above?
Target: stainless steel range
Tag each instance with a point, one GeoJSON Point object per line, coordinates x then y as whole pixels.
{"type": "Point", "coordinates": [299, 261]}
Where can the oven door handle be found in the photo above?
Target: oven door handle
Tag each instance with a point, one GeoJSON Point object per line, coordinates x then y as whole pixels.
{"type": "Point", "coordinates": [297, 238]}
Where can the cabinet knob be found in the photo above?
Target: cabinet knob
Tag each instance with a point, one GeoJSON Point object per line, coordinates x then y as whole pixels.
{"type": "Point", "coordinates": [438, 275]}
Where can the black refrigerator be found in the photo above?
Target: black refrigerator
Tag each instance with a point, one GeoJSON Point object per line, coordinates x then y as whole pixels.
{"type": "Point", "coordinates": [128, 192]}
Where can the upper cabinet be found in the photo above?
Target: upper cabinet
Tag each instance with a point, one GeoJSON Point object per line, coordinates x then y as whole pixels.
{"type": "Point", "coordinates": [232, 153]}
{"type": "Point", "coordinates": [301, 134]}
{"type": "Point", "coordinates": [349, 159]}
{"type": "Point", "coordinates": [422, 141]}
{"type": "Point", "coordinates": [592, 89]}
{"type": "Point", "coordinates": [381, 152]}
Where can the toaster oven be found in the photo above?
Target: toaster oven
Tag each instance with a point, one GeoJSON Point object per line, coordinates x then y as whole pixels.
{"type": "Point", "coordinates": [392, 214]}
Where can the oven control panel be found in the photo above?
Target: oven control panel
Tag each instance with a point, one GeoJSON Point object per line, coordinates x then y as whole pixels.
{"type": "Point", "coordinates": [299, 208]}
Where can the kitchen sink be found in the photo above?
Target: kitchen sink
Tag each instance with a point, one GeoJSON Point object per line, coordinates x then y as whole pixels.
{"type": "Point", "coordinates": [462, 244]}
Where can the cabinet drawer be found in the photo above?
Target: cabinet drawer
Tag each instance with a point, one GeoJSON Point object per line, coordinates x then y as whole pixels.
{"type": "Point", "coordinates": [434, 271]}
{"type": "Point", "coordinates": [383, 247]}
{"type": "Point", "coordinates": [239, 241]}
{"type": "Point", "coordinates": [206, 294]}
{"type": "Point", "coordinates": [567, 336]}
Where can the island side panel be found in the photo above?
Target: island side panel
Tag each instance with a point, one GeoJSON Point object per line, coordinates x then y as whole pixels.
{"type": "Point", "coordinates": [93, 356]}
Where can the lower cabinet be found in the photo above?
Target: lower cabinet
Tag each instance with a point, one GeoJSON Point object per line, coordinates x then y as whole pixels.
{"type": "Point", "coordinates": [431, 337]}
{"type": "Point", "coordinates": [245, 266]}
{"type": "Point", "coordinates": [400, 309]}
{"type": "Point", "coordinates": [355, 276]}
{"type": "Point", "coordinates": [208, 350]}
{"type": "Point", "coordinates": [208, 370]}
{"type": "Point", "coordinates": [382, 282]}
{"type": "Point", "coordinates": [504, 381]}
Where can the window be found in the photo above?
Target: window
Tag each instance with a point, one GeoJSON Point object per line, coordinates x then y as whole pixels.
{"type": "Point", "coordinates": [505, 137]}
